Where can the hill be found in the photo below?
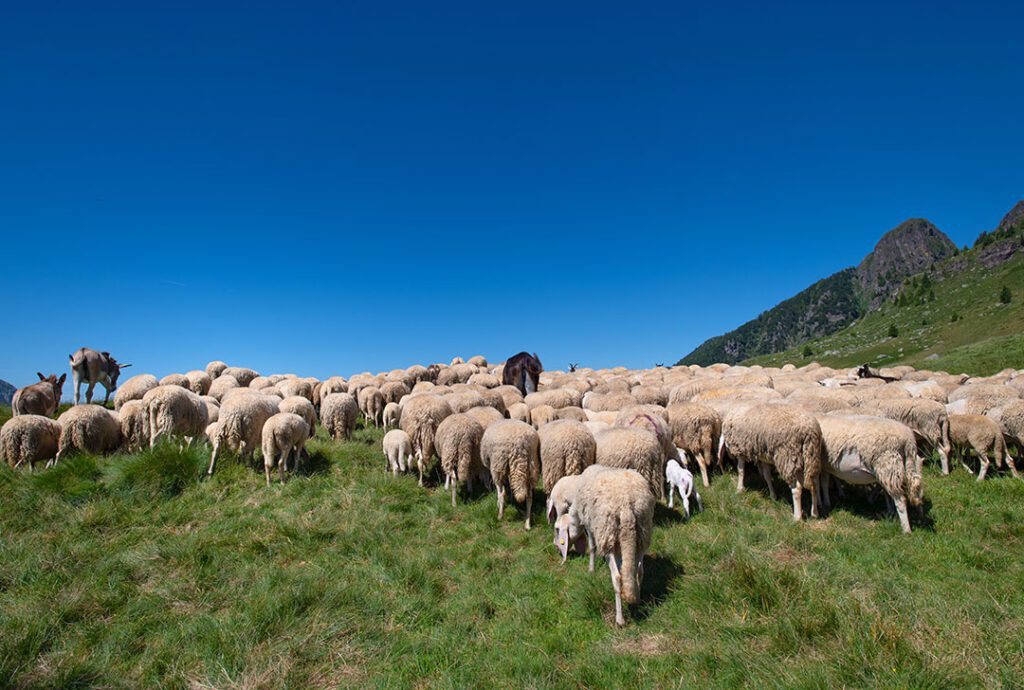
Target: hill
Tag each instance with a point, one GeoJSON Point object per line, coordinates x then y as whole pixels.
{"type": "Point", "coordinates": [6, 392]}
{"type": "Point", "coordinates": [914, 247]}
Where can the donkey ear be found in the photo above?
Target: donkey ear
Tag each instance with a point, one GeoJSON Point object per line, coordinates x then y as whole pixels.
{"type": "Point", "coordinates": [62, 379]}
{"type": "Point", "coordinates": [123, 366]}
{"type": "Point", "coordinates": [40, 375]}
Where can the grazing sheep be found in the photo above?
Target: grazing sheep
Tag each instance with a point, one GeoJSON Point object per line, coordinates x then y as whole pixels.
{"type": "Point", "coordinates": [41, 398]}
{"type": "Point", "coordinates": [392, 415]}
{"type": "Point", "coordinates": [653, 419]}
{"type": "Point", "coordinates": [521, 412]}
{"type": "Point", "coordinates": [484, 380]}
{"type": "Point", "coordinates": [566, 448]}
{"type": "Point", "coordinates": [1011, 421]}
{"type": "Point", "coordinates": [633, 449]}
{"type": "Point", "coordinates": [89, 429]}
{"type": "Point", "coordinates": [614, 509]}
{"type": "Point", "coordinates": [240, 427]}
{"type": "Point", "coordinates": [463, 400]}
{"type": "Point", "coordinates": [485, 415]}
{"type": "Point", "coordinates": [394, 390]}
{"type": "Point", "coordinates": [560, 498]}
{"type": "Point", "coordinates": [174, 411]}
{"type": "Point", "coordinates": [650, 395]}
{"type": "Point", "coordinates": [574, 413]}
{"type": "Point", "coordinates": [980, 434]}
{"type": "Point", "coordinates": [780, 436]}
{"type": "Point", "coordinates": [300, 405]}
{"type": "Point", "coordinates": [926, 418]}
{"type": "Point", "coordinates": [493, 399]}
{"type": "Point", "coordinates": [869, 450]}
{"type": "Point", "coordinates": [681, 479]}
{"type": "Point", "coordinates": [338, 413]}
{"type": "Point", "coordinates": [215, 369]}
{"type": "Point", "coordinates": [556, 398]}
{"type": "Point", "coordinates": [510, 395]}
{"type": "Point", "coordinates": [371, 403]}
{"type": "Point", "coordinates": [334, 384]}
{"type": "Point", "coordinates": [179, 380]}
{"type": "Point", "coordinates": [421, 416]}
{"type": "Point", "coordinates": [510, 450]}
{"type": "Point", "coordinates": [134, 420]}
{"type": "Point", "coordinates": [283, 434]}
{"type": "Point", "coordinates": [243, 375]}
{"type": "Point", "coordinates": [397, 451]}
{"type": "Point", "coordinates": [221, 386]}
{"type": "Point", "coordinates": [541, 415]}
{"type": "Point", "coordinates": [296, 387]}
{"type": "Point", "coordinates": [212, 408]}
{"type": "Point", "coordinates": [696, 429]}
{"type": "Point", "coordinates": [458, 444]}
{"type": "Point", "coordinates": [608, 402]}
{"type": "Point", "coordinates": [134, 388]}
{"type": "Point", "coordinates": [29, 438]}
{"type": "Point", "coordinates": [199, 382]}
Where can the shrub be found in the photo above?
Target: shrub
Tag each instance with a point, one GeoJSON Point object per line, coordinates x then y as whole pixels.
{"type": "Point", "coordinates": [1005, 296]}
{"type": "Point", "coordinates": [807, 351]}
{"type": "Point", "coordinates": [893, 331]}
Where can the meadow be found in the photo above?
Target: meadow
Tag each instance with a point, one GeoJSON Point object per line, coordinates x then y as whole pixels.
{"type": "Point", "coordinates": [135, 571]}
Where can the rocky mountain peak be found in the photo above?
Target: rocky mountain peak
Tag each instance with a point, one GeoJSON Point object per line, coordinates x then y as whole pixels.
{"type": "Point", "coordinates": [909, 248]}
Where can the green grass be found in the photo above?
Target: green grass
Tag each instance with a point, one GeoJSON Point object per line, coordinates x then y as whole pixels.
{"type": "Point", "coordinates": [986, 336]}
{"type": "Point", "coordinates": [132, 571]}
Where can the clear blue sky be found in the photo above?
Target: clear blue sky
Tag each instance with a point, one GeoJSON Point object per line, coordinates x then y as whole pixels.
{"type": "Point", "coordinates": [338, 187]}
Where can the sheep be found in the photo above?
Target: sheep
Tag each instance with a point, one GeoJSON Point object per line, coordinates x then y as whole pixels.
{"type": "Point", "coordinates": [338, 415]}
{"type": "Point", "coordinates": [283, 434]}
{"type": "Point", "coordinates": [199, 381]}
{"type": "Point", "coordinates": [609, 402]}
{"type": "Point", "coordinates": [650, 395]}
{"type": "Point", "coordinates": [696, 429]}
{"type": "Point", "coordinates": [653, 419]}
{"type": "Point", "coordinates": [421, 416]}
{"type": "Point", "coordinates": [334, 384]}
{"type": "Point", "coordinates": [296, 387]}
{"type": "Point", "coordinates": [240, 426]}
{"type": "Point", "coordinates": [29, 438]}
{"type": "Point", "coordinates": [782, 436]}
{"type": "Point", "coordinates": [493, 399]}
{"type": "Point", "coordinates": [541, 415]}
{"type": "Point", "coordinates": [510, 450]}
{"type": "Point", "coordinates": [221, 386]}
{"type": "Point", "coordinates": [980, 434]}
{"type": "Point", "coordinates": [463, 400]}
{"type": "Point", "coordinates": [510, 394]}
{"type": "Point", "coordinates": [1011, 420]}
{"type": "Point", "coordinates": [556, 398]}
{"type": "Point", "coordinates": [394, 390]}
{"type": "Point", "coordinates": [477, 361]}
{"type": "Point", "coordinates": [869, 450]}
{"type": "Point", "coordinates": [179, 380]}
{"type": "Point", "coordinates": [633, 449]}
{"type": "Point", "coordinates": [614, 509]}
{"type": "Point", "coordinates": [392, 414]}
{"type": "Point", "coordinates": [566, 448]}
{"type": "Point", "coordinates": [134, 421]}
{"type": "Point", "coordinates": [521, 412]}
{"type": "Point", "coordinates": [215, 368]}
{"type": "Point", "coordinates": [928, 420]}
{"type": "Point", "coordinates": [560, 498]}
{"type": "Point", "coordinates": [485, 415]}
{"type": "Point", "coordinates": [243, 375]}
{"type": "Point", "coordinates": [88, 428]}
{"type": "Point", "coordinates": [458, 445]}
{"type": "Point", "coordinates": [371, 403]}
{"type": "Point", "coordinates": [212, 408]}
{"type": "Point", "coordinates": [300, 405]}
{"type": "Point", "coordinates": [173, 410]}
{"type": "Point", "coordinates": [397, 451]}
{"type": "Point", "coordinates": [484, 380]}
{"type": "Point", "coordinates": [134, 388]}
{"type": "Point", "coordinates": [681, 480]}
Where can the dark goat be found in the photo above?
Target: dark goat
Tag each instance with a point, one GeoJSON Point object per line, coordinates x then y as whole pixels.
{"type": "Point", "coordinates": [523, 372]}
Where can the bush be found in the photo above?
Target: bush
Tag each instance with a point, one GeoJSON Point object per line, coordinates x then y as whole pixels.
{"type": "Point", "coordinates": [807, 351]}
{"type": "Point", "coordinates": [1005, 296]}
{"type": "Point", "coordinates": [893, 331]}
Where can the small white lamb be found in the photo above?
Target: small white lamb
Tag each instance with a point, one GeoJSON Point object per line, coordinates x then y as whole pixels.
{"type": "Point", "coordinates": [680, 479]}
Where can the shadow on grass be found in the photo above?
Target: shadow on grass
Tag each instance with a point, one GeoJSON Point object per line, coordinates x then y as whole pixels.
{"type": "Point", "coordinates": [314, 464]}
{"type": "Point", "coordinates": [659, 573]}
{"type": "Point", "coordinates": [870, 504]}
{"type": "Point", "coordinates": [663, 515]}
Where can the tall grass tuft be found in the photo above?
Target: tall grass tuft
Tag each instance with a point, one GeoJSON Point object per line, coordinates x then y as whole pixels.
{"type": "Point", "coordinates": [160, 472]}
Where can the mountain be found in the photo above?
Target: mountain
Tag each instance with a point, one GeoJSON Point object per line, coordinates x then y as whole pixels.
{"type": "Point", "coordinates": [835, 302]}
{"type": "Point", "coordinates": [6, 392]}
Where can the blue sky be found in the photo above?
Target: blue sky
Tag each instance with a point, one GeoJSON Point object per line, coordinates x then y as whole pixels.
{"type": "Point", "coordinates": [338, 187]}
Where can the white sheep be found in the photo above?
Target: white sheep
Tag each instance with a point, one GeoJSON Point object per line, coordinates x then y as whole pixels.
{"type": "Point", "coordinates": [240, 427]}
{"type": "Point", "coordinates": [681, 479]}
{"type": "Point", "coordinates": [283, 434]}
{"type": "Point", "coordinates": [174, 410]}
{"type": "Point", "coordinates": [510, 450]}
{"type": "Point", "coordinates": [397, 451]}
{"type": "Point", "coordinates": [29, 438]}
{"type": "Point", "coordinates": [338, 413]}
{"type": "Point", "coordinates": [88, 428]}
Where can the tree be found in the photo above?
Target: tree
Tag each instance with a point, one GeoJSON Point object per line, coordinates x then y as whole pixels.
{"type": "Point", "coordinates": [893, 331]}
{"type": "Point", "coordinates": [1005, 296]}
{"type": "Point", "coordinates": [807, 352]}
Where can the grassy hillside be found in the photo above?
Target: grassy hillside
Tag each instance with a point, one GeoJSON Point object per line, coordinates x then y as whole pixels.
{"type": "Point", "coordinates": [956, 324]}
{"type": "Point", "coordinates": [131, 572]}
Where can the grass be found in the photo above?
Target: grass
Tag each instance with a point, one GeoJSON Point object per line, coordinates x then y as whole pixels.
{"type": "Point", "coordinates": [985, 337]}
{"type": "Point", "coordinates": [132, 571]}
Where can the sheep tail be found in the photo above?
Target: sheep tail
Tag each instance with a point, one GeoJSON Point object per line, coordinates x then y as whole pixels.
{"type": "Point", "coordinates": [464, 464]}
{"type": "Point", "coordinates": [627, 547]}
{"type": "Point", "coordinates": [519, 479]}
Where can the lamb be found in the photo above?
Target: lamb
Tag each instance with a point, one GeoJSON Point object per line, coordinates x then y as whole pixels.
{"type": "Point", "coordinates": [681, 479]}
{"type": "Point", "coordinates": [134, 420]}
{"type": "Point", "coordinates": [29, 438]}
{"type": "Point", "coordinates": [215, 368]}
{"type": "Point", "coordinates": [240, 427]}
{"type": "Point", "coordinates": [392, 414]}
{"type": "Point", "coordinates": [782, 436]}
{"type": "Point", "coordinates": [560, 498]}
{"type": "Point", "coordinates": [926, 418]}
{"type": "Point", "coordinates": [614, 509]}
{"type": "Point", "coordinates": [371, 402]}
{"type": "Point", "coordinates": [134, 388]}
{"type": "Point", "coordinates": [397, 451]}
{"type": "Point", "coordinates": [174, 410]}
{"type": "Point", "coordinates": [283, 434]}
{"type": "Point", "coordinates": [421, 416]}
{"type": "Point", "coordinates": [566, 448]}
{"type": "Point", "coordinates": [41, 398]}
{"type": "Point", "coordinates": [634, 449]}
{"type": "Point", "coordinates": [458, 444]}
{"type": "Point", "coordinates": [297, 404]}
{"type": "Point", "coordinates": [89, 429]}
{"type": "Point", "coordinates": [696, 429]}
{"type": "Point", "coordinates": [338, 413]}
{"type": "Point", "coordinates": [510, 449]}
{"type": "Point", "coordinates": [980, 434]}
{"type": "Point", "coordinates": [869, 450]}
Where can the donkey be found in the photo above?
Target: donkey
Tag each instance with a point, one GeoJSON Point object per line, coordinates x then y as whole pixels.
{"type": "Point", "coordinates": [523, 372]}
{"type": "Point", "coordinates": [39, 398]}
{"type": "Point", "coordinates": [94, 367]}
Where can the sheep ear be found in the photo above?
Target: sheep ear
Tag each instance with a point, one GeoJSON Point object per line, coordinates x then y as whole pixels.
{"type": "Point", "coordinates": [552, 513]}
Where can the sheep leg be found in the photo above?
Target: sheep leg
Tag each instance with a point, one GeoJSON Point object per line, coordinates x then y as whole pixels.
{"type": "Point", "coordinates": [740, 465]}
{"type": "Point", "coordinates": [700, 503]}
{"type": "Point", "coordinates": [823, 484]}
{"type": "Point", "coordinates": [984, 465]}
{"type": "Point", "coordinates": [529, 508]}
{"type": "Point", "coordinates": [283, 464]}
{"type": "Point", "coordinates": [766, 473]}
{"type": "Point", "coordinates": [814, 498]}
{"type": "Point", "coordinates": [453, 494]}
{"type": "Point", "coordinates": [590, 550]}
{"type": "Point", "coordinates": [686, 503]}
{"type": "Point", "coordinates": [617, 586]}
{"type": "Point", "coordinates": [901, 509]}
{"type": "Point", "coordinates": [419, 465]}
{"type": "Point", "coordinates": [703, 464]}
{"type": "Point", "coordinates": [798, 506]}
{"type": "Point", "coordinates": [267, 466]}
{"type": "Point", "coordinates": [213, 459]}
{"type": "Point", "coordinates": [501, 503]}
{"type": "Point", "coordinates": [672, 495]}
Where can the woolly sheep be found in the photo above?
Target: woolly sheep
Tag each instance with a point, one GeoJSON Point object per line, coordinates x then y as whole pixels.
{"type": "Point", "coordinates": [134, 420]}
{"type": "Point", "coordinates": [397, 451]}
{"type": "Point", "coordinates": [243, 375]}
{"type": "Point", "coordinates": [484, 415]}
{"type": "Point", "coordinates": [29, 438]}
{"type": "Point", "coordinates": [520, 411]}
{"type": "Point", "coordinates": [633, 449]}
{"type": "Point", "coordinates": [653, 419]}
{"type": "Point", "coordinates": [478, 361]}
{"type": "Point", "coordinates": [484, 380]}
{"type": "Point", "coordinates": [680, 480]}
{"type": "Point", "coordinates": [541, 415]}
{"type": "Point", "coordinates": [493, 399]}
{"type": "Point", "coordinates": [392, 414]}
{"type": "Point", "coordinates": [566, 448]}
{"type": "Point", "coordinates": [926, 418]}
{"type": "Point", "coordinates": [296, 387]}
{"type": "Point", "coordinates": [176, 411]}
{"type": "Point", "coordinates": [300, 405]}
{"type": "Point", "coordinates": [560, 498]}
{"type": "Point", "coordinates": [1011, 421]}
{"type": "Point", "coordinates": [556, 398]}
{"type": "Point", "coordinates": [338, 413]}
{"type": "Point", "coordinates": [199, 381]}
{"type": "Point", "coordinates": [458, 445]}
{"type": "Point", "coordinates": [614, 510]}
{"type": "Point", "coordinates": [464, 400]}
{"type": "Point", "coordinates": [134, 388]}
{"type": "Point", "coordinates": [179, 380]}
{"type": "Point", "coordinates": [610, 402]}
{"type": "Point", "coordinates": [696, 429]}
{"type": "Point", "coordinates": [421, 416]}
{"type": "Point", "coordinates": [335, 384]}
{"type": "Point", "coordinates": [240, 427]}
{"type": "Point", "coordinates": [869, 450]}
{"type": "Point", "coordinates": [283, 434]}
{"type": "Point", "coordinates": [510, 450]}
{"type": "Point", "coordinates": [215, 369]}
{"type": "Point", "coordinates": [650, 395]}
{"type": "Point", "coordinates": [393, 391]}
{"type": "Point", "coordinates": [212, 408]}
{"type": "Point", "coordinates": [221, 386]}
{"type": "Point", "coordinates": [980, 434]}
{"type": "Point", "coordinates": [371, 403]}
{"type": "Point", "coordinates": [780, 436]}
{"type": "Point", "coordinates": [510, 394]}
{"type": "Point", "coordinates": [89, 429]}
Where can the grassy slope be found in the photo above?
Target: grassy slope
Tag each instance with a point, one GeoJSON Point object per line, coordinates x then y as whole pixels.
{"type": "Point", "coordinates": [988, 337]}
{"type": "Point", "coordinates": [129, 571]}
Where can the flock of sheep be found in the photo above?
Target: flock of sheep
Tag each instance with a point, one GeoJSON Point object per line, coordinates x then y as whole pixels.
{"type": "Point", "coordinates": [601, 443]}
